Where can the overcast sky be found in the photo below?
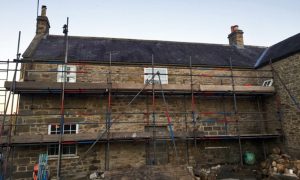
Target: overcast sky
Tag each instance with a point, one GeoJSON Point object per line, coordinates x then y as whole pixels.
{"type": "Point", "coordinates": [264, 22]}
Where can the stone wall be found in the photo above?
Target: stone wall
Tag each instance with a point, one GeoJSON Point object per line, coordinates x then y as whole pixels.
{"type": "Point", "coordinates": [124, 155]}
{"type": "Point", "coordinates": [288, 70]}
{"type": "Point", "coordinates": [121, 155]}
{"type": "Point", "coordinates": [213, 115]}
{"type": "Point", "coordinates": [37, 111]}
{"type": "Point", "coordinates": [135, 74]}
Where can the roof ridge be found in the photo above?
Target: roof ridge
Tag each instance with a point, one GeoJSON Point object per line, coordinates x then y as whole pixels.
{"type": "Point", "coordinates": [151, 40]}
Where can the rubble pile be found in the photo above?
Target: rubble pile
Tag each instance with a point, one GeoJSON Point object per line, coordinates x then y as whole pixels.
{"type": "Point", "coordinates": [208, 173]}
{"type": "Point", "coordinates": [279, 164]}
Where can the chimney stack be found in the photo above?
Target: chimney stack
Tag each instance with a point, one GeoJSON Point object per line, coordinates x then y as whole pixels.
{"type": "Point", "coordinates": [236, 37]}
{"type": "Point", "coordinates": [43, 24]}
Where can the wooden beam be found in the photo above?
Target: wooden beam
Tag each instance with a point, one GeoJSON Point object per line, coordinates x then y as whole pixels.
{"type": "Point", "coordinates": [34, 86]}
{"type": "Point", "coordinates": [37, 139]}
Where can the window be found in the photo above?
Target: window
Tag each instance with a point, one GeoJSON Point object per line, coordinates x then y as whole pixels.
{"type": "Point", "coordinates": [69, 71]}
{"type": "Point", "coordinates": [163, 75]}
{"type": "Point", "coordinates": [68, 129]}
{"type": "Point", "coordinates": [67, 149]}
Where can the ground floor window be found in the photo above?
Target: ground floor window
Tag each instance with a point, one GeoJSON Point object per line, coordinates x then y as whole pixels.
{"type": "Point", "coordinates": [67, 149]}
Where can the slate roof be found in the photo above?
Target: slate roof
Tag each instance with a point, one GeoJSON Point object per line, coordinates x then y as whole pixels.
{"type": "Point", "coordinates": [132, 51]}
{"type": "Point", "coordinates": [280, 50]}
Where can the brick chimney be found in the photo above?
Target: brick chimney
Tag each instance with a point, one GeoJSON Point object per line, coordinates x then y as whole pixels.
{"type": "Point", "coordinates": [236, 37]}
{"type": "Point", "coordinates": [43, 25]}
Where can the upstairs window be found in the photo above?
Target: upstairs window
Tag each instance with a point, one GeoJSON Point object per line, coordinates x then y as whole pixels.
{"type": "Point", "coordinates": [69, 71]}
{"type": "Point", "coordinates": [67, 149]}
{"type": "Point", "coordinates": [68, 129]}
{"type": "Point", "coordinates": [163, 73]}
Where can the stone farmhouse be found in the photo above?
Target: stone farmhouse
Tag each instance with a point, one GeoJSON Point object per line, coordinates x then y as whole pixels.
{"type": "Point", "coordinates": [95, 103]}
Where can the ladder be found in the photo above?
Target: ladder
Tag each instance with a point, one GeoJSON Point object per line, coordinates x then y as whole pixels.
{"type": "Point", "coordinates": [3, 78]}
{"type": "Point", "coordinates": [4, 71]}
{"type": "Point", "coordinates": [43, 167]}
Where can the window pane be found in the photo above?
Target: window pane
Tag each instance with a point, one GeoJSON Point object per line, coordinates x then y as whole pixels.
{"type": "Point", "coordinates": [57, 129]}
{"type": "Point", "coordinates": [73, 149]}
{"type": "Point", "coordinates": [73, 127]}
{"type": "Point", "coordinates": [67, 127]}
{"type": "Point", "coordinates": [54, 129]}
{"type": "Point", "coordinates": [65, 149]}
{"type": "Point", "coordinates": [52, 149]}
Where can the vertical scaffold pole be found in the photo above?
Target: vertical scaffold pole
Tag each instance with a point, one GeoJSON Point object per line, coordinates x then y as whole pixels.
{"type": "Point", "coordinates": [13, 115]}
{"type": "Point", "coordinates": [236, 112]}
{"type": "Point", "coordinates": [153, 113]}
{"type": "Point", "coordinates": [6, 155]}
{"type": "Point", "coordinates": [193, 103]}
{"type": "Point", "coordinates": [108, 116]}
{"type": "Point", "coordinates": [258, 99]}
{"type": "Point", "coordinates": [186, 131]}
{"type": "Point", "coordinates": [62, 109]}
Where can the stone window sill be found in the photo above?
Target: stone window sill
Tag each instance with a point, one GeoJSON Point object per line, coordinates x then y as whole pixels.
{"type": "Point", "coordinates": [55, 157]}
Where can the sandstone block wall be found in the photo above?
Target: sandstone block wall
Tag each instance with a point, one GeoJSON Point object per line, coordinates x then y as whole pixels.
{"type": "Point", "coordinates": [135, 74]}
{"type": "Point", "coordinates": [124, 155]}
{"type": "Point", "coordinates": [40, 110]}
{"type": "Point", "coordinates": [212, 116]}
{"type": "Point", "coordinates": [289, 71]}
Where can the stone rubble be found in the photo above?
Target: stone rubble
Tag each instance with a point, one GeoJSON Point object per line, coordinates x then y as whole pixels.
{"type": "Point", "coordinates": [279, 165]}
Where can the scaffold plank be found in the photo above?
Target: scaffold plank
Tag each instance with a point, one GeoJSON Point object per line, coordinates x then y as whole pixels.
{"type": "Point", "coordinates": [81, 87]}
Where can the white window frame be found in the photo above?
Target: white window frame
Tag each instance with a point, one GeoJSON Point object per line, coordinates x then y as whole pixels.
{"type": "Point", "coordinates": [69, 71]}
{"type": "Point", "coordinates": [58, 132]}
{"type": "Point", "coordinates": [163, 75]}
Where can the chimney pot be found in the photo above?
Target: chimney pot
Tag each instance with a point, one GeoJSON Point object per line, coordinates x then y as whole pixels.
{"type": "Point", "coordinates": [44, 11]}
{"type": "Point", "coordinates": [234, 28]}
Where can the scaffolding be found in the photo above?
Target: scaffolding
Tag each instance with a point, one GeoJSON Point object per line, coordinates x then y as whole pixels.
{"type": "Point", "coordinates": [190, 118]}
{"type": "Point", "coordinates": [110, 90]}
